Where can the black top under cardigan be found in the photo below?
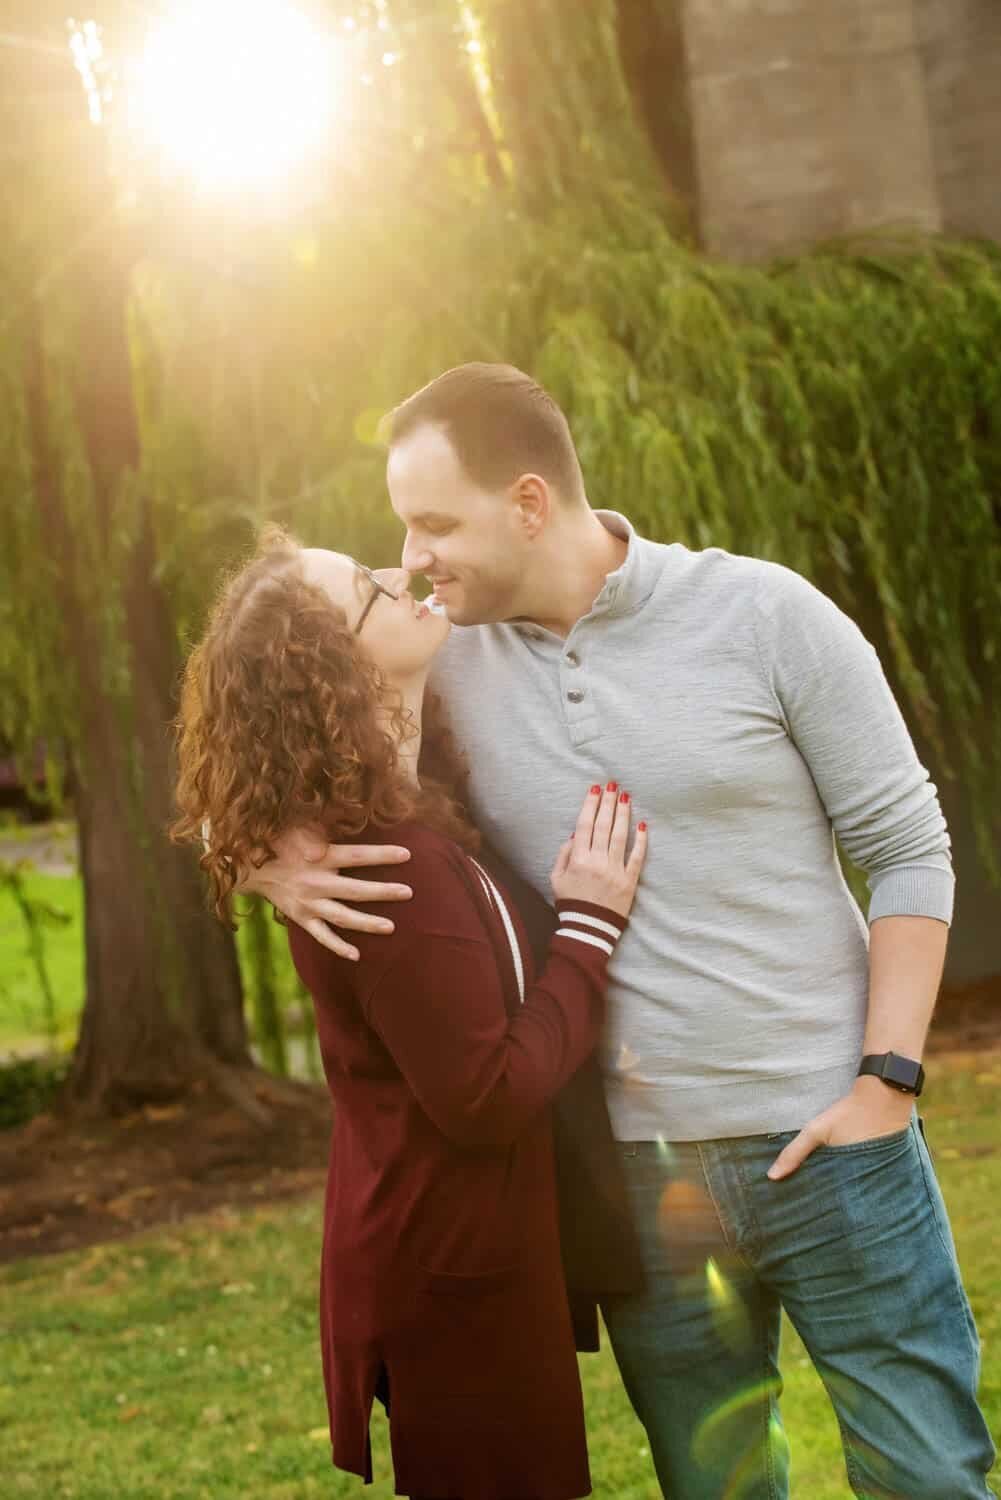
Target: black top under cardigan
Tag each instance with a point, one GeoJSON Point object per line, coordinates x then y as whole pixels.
{"type": "Point", "coordinates": [599, 1244]}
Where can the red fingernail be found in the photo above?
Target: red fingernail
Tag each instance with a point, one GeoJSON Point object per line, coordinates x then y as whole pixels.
{"type": "Point", "coordinates": [641, 827]}
{"type": "Point", "coordinates": [595, 790]}
{"type": "Point", "coordinates": [613, 786]}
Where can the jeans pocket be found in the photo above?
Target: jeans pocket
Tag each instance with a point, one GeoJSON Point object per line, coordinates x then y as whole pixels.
{"type": "Point", "coordinates": [879, 1186]}
{"type": "Point", "coordinates": [871, 1143]}
{"type": "Point", "coordinates": [924, 1135]}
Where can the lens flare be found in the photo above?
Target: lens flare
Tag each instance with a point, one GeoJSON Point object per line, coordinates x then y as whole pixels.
{"type": "Point", "coordinates": [627, 1059]}
{"type": "Point", "coordinates": [745, 1476]}
{"type": "Point", "coordinates": [234, 92]}
{"type": "Point", "coordinates": [627, 1066]}
{"type": "Point", "coordinates": [734, 1425]}
{"type": "Point", "coordinates": [666, 1153]}
{"type": "Point", "coordinates": [731, 1318]}
{"type": "Point", "coordinates": [688, 1227]}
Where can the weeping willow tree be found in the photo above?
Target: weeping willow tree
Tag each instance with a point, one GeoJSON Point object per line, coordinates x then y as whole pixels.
{"type": "Point", "coordinates": [501, 189]}
{"type": "Point", "coordinates": [87, 643]}
{"type": "Point", "coordinates": [839, 412]}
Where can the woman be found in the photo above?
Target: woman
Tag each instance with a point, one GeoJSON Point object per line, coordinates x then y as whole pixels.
{"type": "Point", "coordinates": [441, 1284]}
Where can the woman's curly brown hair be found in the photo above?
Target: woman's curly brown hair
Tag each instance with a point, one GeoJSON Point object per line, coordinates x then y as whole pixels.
{"type": "Point", "coordinates": [285, 720]}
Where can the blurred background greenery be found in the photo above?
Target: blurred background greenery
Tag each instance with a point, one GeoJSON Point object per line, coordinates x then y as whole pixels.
{"type": "Point", "coordinates": [196, 342]}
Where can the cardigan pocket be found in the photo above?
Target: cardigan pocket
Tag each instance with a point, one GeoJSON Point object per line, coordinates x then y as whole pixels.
{"type": "Point", "coordinates": [473, 1284]}
{"type": "Point", "coordinates": [474, 1332]}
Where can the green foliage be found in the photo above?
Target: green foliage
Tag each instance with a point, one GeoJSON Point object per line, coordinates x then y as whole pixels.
{"type": "Point", "coordinates": [30, 1015]}
{"type": "Point", "coordinates": [34, 693]}
{"type": "Point", "coordinates": [269, 1029]}
{"type": "Point", "coordinates": [841, 415]}
{"type": "Point", "coordinates": [280, 1013]}
{"type": "Point", "coordinates": [37, 916]}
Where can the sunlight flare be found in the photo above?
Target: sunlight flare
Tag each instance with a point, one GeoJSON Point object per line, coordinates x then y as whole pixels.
{"type": "Point", "coordinates": [236, 93]}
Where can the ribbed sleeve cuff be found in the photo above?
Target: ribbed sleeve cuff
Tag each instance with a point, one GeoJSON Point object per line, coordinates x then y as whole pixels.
{"type": "Point", "coordinates": [591, 926]}
{"type": "Point", "coordinates": [913, 891]}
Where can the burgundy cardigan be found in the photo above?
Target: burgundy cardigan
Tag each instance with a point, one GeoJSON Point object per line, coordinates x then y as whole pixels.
{"type": "Point", "coordinates": [441, 1271]}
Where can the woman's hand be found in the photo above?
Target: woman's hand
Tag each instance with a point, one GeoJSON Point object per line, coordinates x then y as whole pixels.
{"type": "Point", "coordinates": [592, 864]}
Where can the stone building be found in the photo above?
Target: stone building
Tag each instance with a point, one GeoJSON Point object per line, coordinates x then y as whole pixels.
{"type": "Point", "coordinates": [792, 121]}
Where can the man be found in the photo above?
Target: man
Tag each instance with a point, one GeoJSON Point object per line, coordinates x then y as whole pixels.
{"type": "Point", "coordinates": [748, 718]}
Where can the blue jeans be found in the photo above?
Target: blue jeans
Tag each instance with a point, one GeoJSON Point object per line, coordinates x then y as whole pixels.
{"type": "Point", "coordinates": [856, 1247]}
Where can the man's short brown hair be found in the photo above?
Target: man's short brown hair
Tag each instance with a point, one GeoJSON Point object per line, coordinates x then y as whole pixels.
{"type": "Point", "coordinates": [500, 422]}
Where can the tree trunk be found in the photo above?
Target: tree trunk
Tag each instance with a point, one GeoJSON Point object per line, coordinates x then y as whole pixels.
{"type": "Point", "coordinates": [163, 1001]}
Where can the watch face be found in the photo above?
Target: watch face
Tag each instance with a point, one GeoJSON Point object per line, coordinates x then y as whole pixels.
{"type": "Point", "coordinates": [901, 1070]}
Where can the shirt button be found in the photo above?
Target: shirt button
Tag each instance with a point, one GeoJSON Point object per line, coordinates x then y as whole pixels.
{"type": "Point", "coordinates": [572, 659]}
{"type": "Point", "coordinates": [576, 695]}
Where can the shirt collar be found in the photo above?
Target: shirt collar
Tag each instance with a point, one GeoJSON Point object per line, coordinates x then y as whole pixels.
{"type": "Point", "coordinates": [628, 587]}
{"type": "Point", "coordinates": [634, 581]}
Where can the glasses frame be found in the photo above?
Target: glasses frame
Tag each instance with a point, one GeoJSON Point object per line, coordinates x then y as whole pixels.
{"type": "Point", "coordinates": [377, 589]}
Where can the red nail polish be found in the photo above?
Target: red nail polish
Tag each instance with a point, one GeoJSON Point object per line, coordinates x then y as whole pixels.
{"type": "Point", "coordinates": [641, 827]}
{"type": "Point", "coordinates": [595, 790]}
{"type": "Point", "coordinates": [624, 797]}
{"type": "Point", "coordinates": [613, 786]}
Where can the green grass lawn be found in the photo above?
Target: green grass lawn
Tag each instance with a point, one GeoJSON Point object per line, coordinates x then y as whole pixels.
{"type": "Point", "coordinates": [184, 1365]}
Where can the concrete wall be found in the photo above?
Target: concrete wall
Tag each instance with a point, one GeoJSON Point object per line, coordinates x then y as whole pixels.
{"type": "Point", "coordinates": [960, 45]}
{"type": "Point", "coordinates": [818, 118]}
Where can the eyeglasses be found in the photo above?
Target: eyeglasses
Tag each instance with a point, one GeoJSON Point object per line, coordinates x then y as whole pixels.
{"type": "Point", "coordinates": [377, 589]}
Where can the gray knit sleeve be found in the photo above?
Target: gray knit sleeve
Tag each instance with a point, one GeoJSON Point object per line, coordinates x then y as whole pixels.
{"type": "Point", "coordinates": [840, 713]}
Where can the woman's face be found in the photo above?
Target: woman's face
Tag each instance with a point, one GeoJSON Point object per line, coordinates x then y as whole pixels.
{"type": "Point", "coordinates": [400, 635]}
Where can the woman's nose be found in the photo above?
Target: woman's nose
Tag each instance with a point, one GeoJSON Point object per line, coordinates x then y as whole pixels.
{"type": "Point", "coordinates": [395, 578]}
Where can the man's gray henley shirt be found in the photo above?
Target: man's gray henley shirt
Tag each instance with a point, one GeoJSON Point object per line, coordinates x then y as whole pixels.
{"type": "Point", "coordinates": [751, 722]}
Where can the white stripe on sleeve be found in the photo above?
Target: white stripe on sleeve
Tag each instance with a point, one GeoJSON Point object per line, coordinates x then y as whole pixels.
{"type": "Point", "coordinates": [584, 937]}
{"type": "Point", "coordinates": [595, 922]}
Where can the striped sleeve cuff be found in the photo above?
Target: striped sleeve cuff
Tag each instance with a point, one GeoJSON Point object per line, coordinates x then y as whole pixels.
{"type": "Point", "coordinates": [594, 927]}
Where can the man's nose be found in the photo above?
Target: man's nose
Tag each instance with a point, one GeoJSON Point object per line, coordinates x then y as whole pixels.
{"type": "Point", "coordinates": [416, 559]}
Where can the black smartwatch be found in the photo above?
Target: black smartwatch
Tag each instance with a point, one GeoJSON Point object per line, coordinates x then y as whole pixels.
{"type": "Point", "coordinates": [900, 1073]}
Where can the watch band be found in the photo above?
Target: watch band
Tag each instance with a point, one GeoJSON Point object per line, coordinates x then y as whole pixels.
{"type": "Point", "coordinates": [900, 1073]}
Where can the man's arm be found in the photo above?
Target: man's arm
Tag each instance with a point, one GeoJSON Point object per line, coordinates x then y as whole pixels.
{"type": "Point", "coordinates": [839, 711]}
{"type": "Point", "coordinates": [906, 955]}
{"type": "Point", "coordinates": [906, 958]}
{"type": "Point", "coordinates": [305, 883]}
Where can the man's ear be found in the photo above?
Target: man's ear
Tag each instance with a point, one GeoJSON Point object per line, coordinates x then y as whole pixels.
{"type": "Point", "coordinates": [534, 503]}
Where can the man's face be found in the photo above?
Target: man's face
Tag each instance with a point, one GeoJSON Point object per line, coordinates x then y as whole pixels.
{"type": "Point", "coordinates": [467, 540]}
